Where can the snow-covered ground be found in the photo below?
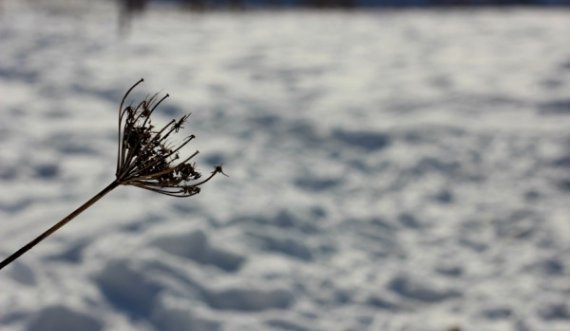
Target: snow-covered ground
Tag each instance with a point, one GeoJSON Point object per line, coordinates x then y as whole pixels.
{"type": "Point", "coordinates": [388, 171]}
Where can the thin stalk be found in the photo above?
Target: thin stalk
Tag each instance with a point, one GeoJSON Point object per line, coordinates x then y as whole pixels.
{"type": "Point", "coordinates": [58, 225]}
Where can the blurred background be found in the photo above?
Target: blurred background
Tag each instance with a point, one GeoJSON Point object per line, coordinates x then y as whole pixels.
{"type": "Point", "coordinates": [394, 165]}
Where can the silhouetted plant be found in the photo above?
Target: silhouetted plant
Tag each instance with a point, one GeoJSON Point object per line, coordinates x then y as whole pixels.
{"type": "Point", "coordinates": [146, 158]}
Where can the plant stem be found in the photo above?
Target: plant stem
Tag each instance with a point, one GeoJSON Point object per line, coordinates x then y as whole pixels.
{"type": "Point", "coordinates": [58, 225]}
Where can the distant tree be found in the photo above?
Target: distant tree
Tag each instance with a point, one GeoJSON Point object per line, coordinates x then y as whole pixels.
{"type": "Point", "coordinates": [133, 6]}
{"type": "Point", "coordinates": [194, 4]}
{"type": "Point", "coordinates": [236, 4]}
{"type": "Point", "coordinates": [330, 3]}
{"type": "Point", "coordinates": [129, 8]}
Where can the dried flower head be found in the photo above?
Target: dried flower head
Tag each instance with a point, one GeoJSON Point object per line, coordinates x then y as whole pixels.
{"type": "Point", "coordinates": [146, 156]}
{"type": "Point", "coordinates": [145, 159]}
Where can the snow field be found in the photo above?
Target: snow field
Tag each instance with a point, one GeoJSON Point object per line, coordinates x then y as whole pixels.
{"type": "Point", "coordinates": [388, 171]}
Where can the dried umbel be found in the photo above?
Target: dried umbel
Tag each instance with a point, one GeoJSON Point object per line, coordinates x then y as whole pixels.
{"type": "Point", "coordinates": [146, 158]}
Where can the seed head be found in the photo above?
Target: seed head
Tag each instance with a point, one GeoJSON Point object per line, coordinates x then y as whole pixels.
{"type": "Point", "coordinates": [146, 158]}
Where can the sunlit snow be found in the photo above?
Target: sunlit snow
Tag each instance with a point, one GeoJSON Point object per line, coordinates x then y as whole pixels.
{"type": "Point", "coordinates": [389, 170]}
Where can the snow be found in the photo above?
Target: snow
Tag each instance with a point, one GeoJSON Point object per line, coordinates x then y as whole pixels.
{"type": "Point", "coordinates": [403, 170]}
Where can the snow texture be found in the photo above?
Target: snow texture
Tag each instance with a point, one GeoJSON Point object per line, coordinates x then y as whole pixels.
{"type": "Point", "coordinates": [405, 170]}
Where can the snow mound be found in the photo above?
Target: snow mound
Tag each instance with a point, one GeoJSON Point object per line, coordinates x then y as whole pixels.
{"type": "Point", "coordinates": [63, 318]}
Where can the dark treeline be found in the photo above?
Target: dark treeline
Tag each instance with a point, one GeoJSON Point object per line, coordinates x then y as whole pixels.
{"type": "Point", "coordinates": [137, 5]}
{"type": "Point", "coordinates": [129, 8]}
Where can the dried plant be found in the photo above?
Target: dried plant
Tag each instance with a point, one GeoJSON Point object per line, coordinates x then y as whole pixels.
{"type": "Point", "coordinates": [146, 158]}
